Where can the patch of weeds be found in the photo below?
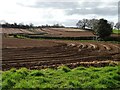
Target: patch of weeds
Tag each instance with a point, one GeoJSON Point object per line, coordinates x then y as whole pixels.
{"type": "Point", "coordinates": [36, 73]}
{"type": "Point", "coordinates": [64, 68]}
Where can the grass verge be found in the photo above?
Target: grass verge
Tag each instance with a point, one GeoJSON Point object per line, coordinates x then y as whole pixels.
{"type": "Point", "coordinates": [22, 37]}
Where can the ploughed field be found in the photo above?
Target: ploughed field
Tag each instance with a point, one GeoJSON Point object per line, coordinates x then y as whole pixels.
{"type": "Point", "coordinates": [37, 54]}
{"type": "Point", "coordinates": [52, 32]}
{"type": "Point", "coordinates": [49, 32]}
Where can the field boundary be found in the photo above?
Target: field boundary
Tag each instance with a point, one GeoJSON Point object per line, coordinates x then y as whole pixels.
{"type": "Point", "coordinates": [39, 36]}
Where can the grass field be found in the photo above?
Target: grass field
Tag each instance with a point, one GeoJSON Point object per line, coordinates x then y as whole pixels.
{"type": "Point", "coordinates": [62, 77]}
{"type": "Point", "coordinates": [116, 31]}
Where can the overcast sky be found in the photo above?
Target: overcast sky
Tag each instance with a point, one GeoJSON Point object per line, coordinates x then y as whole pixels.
{"type": "Point", "coordinates": [65, 12]}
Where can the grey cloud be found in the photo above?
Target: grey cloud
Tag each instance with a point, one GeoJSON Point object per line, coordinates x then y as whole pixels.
{"type": "Point", "coordinates": [54, 5]}
{"type": "Point", "coordinates": [98, 11]}
{"type": "Point", "coordinates": [90, 4]}
{"type": "Point", "coordinates": [62, 5]}
{"type": "Point", "coordinates": [71, 8]}
{"type": "Point", "coordinates": [107, 9]}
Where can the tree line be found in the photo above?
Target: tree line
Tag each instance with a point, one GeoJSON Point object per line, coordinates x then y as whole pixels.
{"type": "Point", "coordinates": [23, 26]}
{"type": "Point", "coordinates": [101, 28]}
{"type": "Point", "coordinates": [89, 23]}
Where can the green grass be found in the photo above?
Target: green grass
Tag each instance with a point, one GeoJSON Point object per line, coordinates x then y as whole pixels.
{"type": "Point", "coordinates": [62, 77]}
{"type": "Point", "coordinates": [116, 31]}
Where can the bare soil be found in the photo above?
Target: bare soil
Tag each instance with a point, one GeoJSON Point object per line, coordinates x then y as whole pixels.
{"type": "Point", "coordinates": [67, 33]}
{"type": "Point", "coordinates": [37, 54]}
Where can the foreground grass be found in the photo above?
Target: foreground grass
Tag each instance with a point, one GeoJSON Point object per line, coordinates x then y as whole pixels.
{"type": "Point", "coordinates": [62, 77]}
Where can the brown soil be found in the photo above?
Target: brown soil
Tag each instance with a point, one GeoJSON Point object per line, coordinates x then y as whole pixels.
{"type": "Point", "coordinates": [64, 33]}
{"type": "Point", "coordinates": [26, 43]}
{"type": "Point", "coordinates": [52, 32]}
{"type": "Point", "coordinates": [37, 54]}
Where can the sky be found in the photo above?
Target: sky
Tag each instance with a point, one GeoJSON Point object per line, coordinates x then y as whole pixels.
{"type": "Point", "coordinates": [63, 12]}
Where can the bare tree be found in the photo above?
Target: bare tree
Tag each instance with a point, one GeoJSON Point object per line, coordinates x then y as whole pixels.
{"type": "Point", "coordinates": [92, 22]}
{"type": "Point", "coordinates": [89, 23]}
{"type": "Point", "coordinates": [117, 25]}
{"type": "Point", "coordinates": [111, 23]}
{"type": "Point", "coordinates": [82, 23]}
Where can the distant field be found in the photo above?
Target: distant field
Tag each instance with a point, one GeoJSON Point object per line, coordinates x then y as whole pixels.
{"type": "Point", "coordinates": [52, 32]}
{"type": "Point", "coordinates": [116, 31]}
{"type": "Point", "coordinates": [63, 77]}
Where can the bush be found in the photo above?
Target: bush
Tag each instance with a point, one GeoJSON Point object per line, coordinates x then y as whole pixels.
{"type": "Point", "coordinates": [102, 29]}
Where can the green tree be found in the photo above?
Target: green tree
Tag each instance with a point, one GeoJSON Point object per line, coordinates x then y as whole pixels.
{"type": "Point", "coordinates": [102, 29]}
